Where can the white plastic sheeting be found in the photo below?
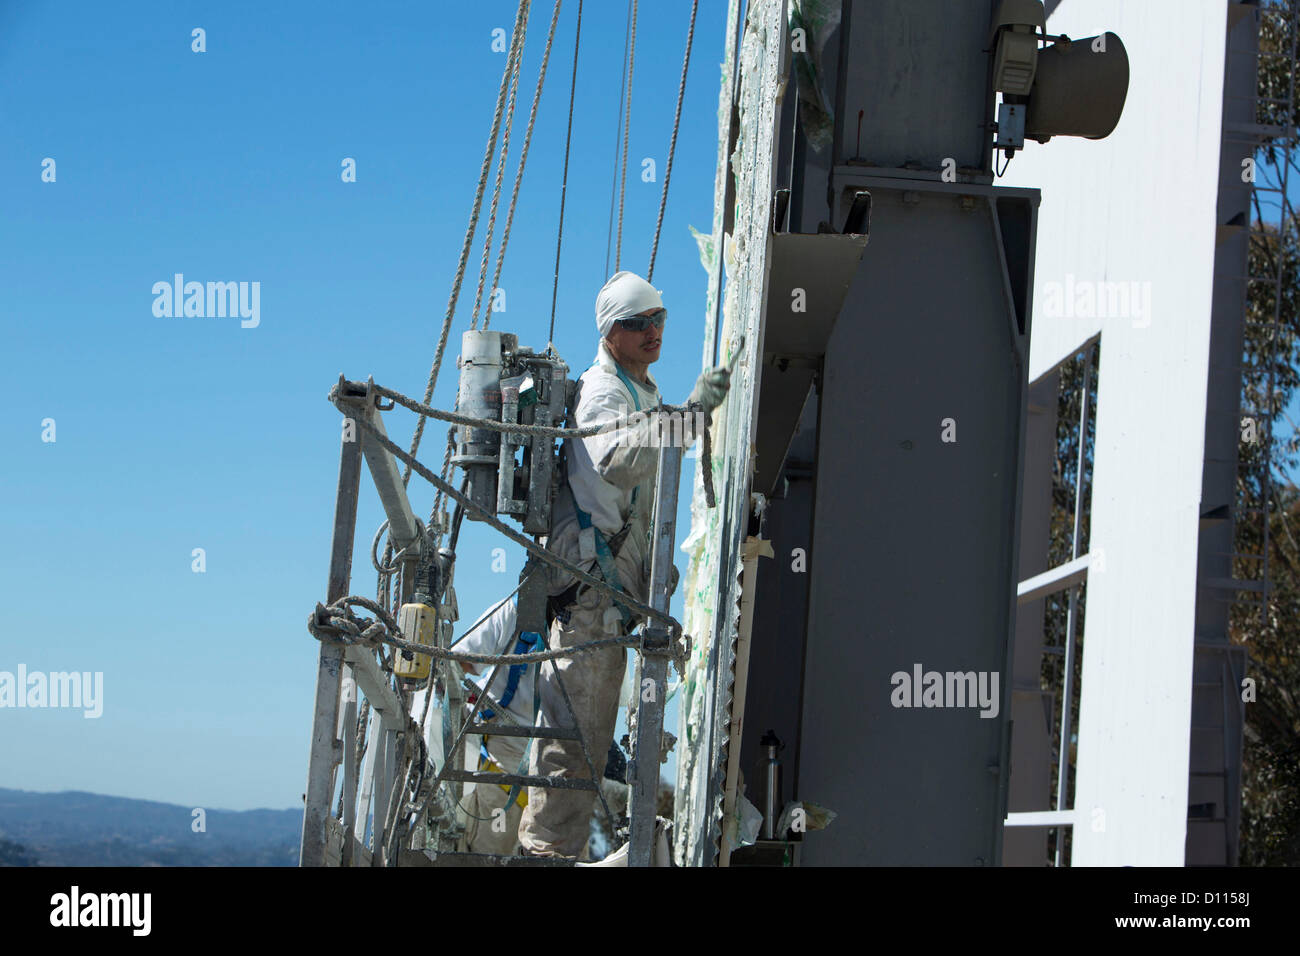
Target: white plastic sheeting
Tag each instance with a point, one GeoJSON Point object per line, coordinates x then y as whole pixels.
{"type": "Point", "coordinates": [714, 542]}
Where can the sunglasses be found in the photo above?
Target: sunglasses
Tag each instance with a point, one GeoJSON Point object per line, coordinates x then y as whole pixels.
{"type": "Point", "coordinates": [639, 323]}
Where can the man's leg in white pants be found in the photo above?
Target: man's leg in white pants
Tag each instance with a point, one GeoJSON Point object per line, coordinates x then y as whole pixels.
{"type": "Point", "coordinates": [556, 821]}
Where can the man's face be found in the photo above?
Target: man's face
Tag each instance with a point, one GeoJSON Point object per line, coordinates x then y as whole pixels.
{"type": "Point", "coordinates": [640, 346]}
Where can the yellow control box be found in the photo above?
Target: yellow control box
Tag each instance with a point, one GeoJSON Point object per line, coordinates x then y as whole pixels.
{"type": "Point", "coordinates": [419, 625]}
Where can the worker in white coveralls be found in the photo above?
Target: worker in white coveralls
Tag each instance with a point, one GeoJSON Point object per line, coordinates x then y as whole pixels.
{"type": "Point", "coordinates": [601, 520]}
{"type": "Point", "coordinates": [493, 810]}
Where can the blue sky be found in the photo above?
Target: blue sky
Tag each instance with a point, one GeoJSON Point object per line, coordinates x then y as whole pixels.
{"type": "Point", "coordinates": [182, 433]}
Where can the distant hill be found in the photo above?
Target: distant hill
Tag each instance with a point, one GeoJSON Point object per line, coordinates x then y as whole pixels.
{"type": "Point", "coordinates": [87, 829]}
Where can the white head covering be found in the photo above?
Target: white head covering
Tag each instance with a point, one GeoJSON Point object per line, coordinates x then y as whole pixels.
{"type": "Point", "coordinates": [623, 296]}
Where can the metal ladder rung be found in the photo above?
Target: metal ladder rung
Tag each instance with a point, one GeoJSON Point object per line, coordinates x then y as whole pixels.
{"type": "Point", "coordinates": [513, 730]}
{"type": "Point", "coordinates": [555, 783]}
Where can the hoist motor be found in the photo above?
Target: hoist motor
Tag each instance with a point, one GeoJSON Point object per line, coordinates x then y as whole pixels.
{"type": "Point", "coordinates": [510, 473]}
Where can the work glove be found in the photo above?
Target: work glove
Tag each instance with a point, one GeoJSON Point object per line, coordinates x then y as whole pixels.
{"type": "Point", "coordinates": [711, 388]}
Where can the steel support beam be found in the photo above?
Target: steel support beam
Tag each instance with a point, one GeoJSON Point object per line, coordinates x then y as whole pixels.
{"type": "Point", "coordinates": [325, 747]}
{"type": "Point", "coordinates": [643, 768]}
{"type": "Point", "coordinates": [383, 744]}
{"type": "Point", "coordinates": [348, 731]}
{"type": "Point", "coordinates": [355, 400]}
{"type": "Point", "coordinates": [382, 697]}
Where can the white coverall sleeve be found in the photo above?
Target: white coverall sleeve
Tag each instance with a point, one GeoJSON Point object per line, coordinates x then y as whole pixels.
{"type": "Point", "coordinates": [627, 456]}
{"type": "Point", "coordinates": [489, 637]}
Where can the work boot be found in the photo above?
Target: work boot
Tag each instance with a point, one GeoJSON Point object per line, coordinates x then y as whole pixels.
{"type": "Point", "coordinates": [524, 851]}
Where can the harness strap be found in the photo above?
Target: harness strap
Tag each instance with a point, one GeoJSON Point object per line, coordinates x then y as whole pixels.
{"type": "Point", "coordinates": [604, 555]}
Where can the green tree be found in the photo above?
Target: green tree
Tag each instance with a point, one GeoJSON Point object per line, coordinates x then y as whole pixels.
{"type": "Point", "coordinates": [15, 854]}
{"type": "Point", "coordinates": [1267, 513]}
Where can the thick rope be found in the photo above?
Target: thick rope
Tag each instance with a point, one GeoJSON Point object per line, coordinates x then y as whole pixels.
{"type": "Point", "coordinates": [475, 209]}
{"type": "Point", "coordinates": [623, 421]}
{"type": "Point", "coordinates": [627, 125]}
{"type": "Point", "coordinates": [342, 626]}
{"type": "Point", "coordinates": [613, 185]}
{"type": "Point", "coordinates": [545, 431]}
{"type": "Point", "coordinates": [672, 145]}
{"type": "Point", "coordinates": [548, 557]}
{"type": "Point", "coordinates": [564, 180]}
{"type": "Point", "coordinates": [523, 158]}
{"type": "Point", "coordinates": [374, 552]}
{"type": "Point", "coordinates": [446, 470]}
{"type": "Point", "coordinates": [517, 53]}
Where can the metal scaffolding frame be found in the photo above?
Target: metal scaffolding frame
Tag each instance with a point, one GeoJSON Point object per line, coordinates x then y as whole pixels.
{"type": "Point", "coordinates": [394, 739]}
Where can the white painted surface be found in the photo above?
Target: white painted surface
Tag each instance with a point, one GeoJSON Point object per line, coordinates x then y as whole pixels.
{"type": "Point", "coordinates": [1138, 207]}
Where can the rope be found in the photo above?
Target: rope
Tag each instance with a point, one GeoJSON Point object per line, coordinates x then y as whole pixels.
{"type": "Point", "coordinates": [672, 145]}
{"type": "Point", "coordinates": [362, 739]}
{"type": "Point", "coordinates": [623, 421]}
{"type": "Point", "coordinates": [523, 157]}
{"type": "Point", "coordinates": [545, 431]}
{"type": "Point", "coordinates": [338, 622]}
{"type": "Point", "coordinates": [564, 181]}
{"type": "Point", "coordinates": [627, 124]}
{"type": "Point", "coordinates": [446, 470]}
{"type": "Point", "coordinates": [384, 569]}
{"type": "Point", "coordinates": [613, 186]}
{"type": "Point", "coordinates": [476, 208]}
{"type": "Point", "coordinates": [516, 52]}
{"type": "Point", "coordinates": [342, 626]}
{"type": "Point", "coordinates": [547, 557]}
